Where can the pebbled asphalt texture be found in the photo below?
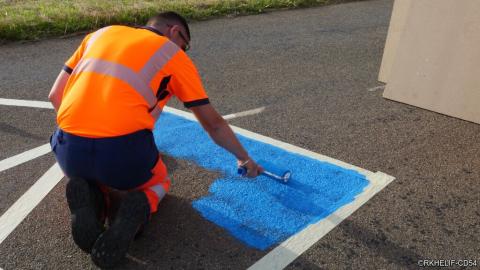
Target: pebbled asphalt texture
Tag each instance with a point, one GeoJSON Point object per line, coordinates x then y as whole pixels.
{"type": "Point", "coordinates": [312, 69]}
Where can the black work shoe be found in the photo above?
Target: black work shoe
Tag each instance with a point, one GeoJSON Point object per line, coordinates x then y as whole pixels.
{"type": "Point", "coordinates": [86, 204]}
{"type": "Point", "coordinates": [112, 245]}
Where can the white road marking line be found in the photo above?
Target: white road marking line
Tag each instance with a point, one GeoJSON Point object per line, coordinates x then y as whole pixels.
{"type": "Point", "coordinates": [26, 103]}
{"type": "Point", "coordinates": [244, 113]}
{"type": "Point", "coordinates": [23, 206]}
{"type": "Point", "coordinates": [48, 105]}
{"type": "Point", "coordinates": [24, 157]}
{"type": "Point", "coordinates": [376, 88]}
{"type": "Point", "coordinates": [279, 257]}
{"type": "Point", "coordinates": [137, 260]}
{"type": "Point", "coordinates": [181, 113]}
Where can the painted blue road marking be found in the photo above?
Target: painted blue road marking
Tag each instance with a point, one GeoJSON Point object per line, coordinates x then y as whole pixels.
{"type": "Point", "coordinates": [259, 212]}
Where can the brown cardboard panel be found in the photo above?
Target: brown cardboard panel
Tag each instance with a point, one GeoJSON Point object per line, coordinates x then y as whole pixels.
{"type": "Point", "coordinates": [395, 30]}
{"type": "Point", "coordinates": [437, 64]}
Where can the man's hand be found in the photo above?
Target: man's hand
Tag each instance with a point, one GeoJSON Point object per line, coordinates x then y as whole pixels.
{"type": "Point", "coordinates": [222, 134]}
{"type": "Point", "coordinates": [252, 168]}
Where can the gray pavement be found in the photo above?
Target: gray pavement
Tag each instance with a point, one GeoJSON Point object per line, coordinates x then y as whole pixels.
{"type": "Point", "coordinates": [311, 68]}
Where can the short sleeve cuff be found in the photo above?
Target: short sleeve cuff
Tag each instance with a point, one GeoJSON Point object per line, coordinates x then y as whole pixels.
{"type": "Point", "coordinates": [67, 69]}
{"type": "Point", "coordinates": [195, 103]}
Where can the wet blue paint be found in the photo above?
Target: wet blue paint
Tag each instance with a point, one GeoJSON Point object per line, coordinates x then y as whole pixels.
{"type": "Point", "coordinates": [260, 212]}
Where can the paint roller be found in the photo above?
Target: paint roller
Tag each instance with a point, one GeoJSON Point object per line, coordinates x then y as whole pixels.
{"type": "Point", "coordinates": [271, 171]}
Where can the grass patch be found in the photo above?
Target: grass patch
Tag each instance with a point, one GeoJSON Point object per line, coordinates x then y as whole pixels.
{"type": "Point", "coordinates": [37, 19]}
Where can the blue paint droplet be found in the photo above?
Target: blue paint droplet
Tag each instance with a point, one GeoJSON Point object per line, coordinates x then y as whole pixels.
{"type": "Point", "coordinates": [260, 212]}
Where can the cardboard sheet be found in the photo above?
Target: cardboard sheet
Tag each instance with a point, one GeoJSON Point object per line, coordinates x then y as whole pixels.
{"type": "Point", "coordinates": [395, 30]}
{"type": "Point", "coordinates": [437, 63]}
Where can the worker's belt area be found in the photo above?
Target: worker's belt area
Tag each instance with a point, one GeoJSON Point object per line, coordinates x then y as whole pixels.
{"type": "Point", "coordinates": [122, 162]}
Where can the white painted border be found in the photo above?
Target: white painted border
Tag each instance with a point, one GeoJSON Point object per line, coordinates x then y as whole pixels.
{"type": "Point", "coordinates": [281, 256]}
{"type": "Point", "coordinates": [48, 105]}
{"type": "Point", "coordinates": [23, 206]}
{"type": "Point", "coordinates": [26, 103]}
{"type": "Point", "coordinates": [24, 157]}
{"type": "Point", "coordinates": [244, 113]}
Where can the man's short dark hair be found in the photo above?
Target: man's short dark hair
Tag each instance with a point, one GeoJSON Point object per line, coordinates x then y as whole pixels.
{"type": "Point", "coordinates": [169, 17]}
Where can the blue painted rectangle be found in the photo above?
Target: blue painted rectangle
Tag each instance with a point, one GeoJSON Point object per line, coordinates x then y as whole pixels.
{"type": "Point", "coordinates": [260, 212]}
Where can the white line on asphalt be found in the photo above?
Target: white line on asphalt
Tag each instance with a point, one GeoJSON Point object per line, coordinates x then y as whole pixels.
{"type": "Point", "coordinates": [23, 206]}
{"type": "Point", "coordinates": [281, 256]}
{"type": "Point", "coordinates": [181, 113]}
{"type": "Point", "coordinates": [137, 260]}
{"type": "Point", "coordinates": [24, 157]}
{"type": "Point", "coordinates": [26, 103]}
{"type": "Point", "coordinates": [380, 87]}
{"type": "Point", "coordinates": [244, 113]}
{"type": "Point", "coordinates": [48, 105]}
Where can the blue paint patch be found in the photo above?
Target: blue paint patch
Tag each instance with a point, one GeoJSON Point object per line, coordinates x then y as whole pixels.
{"type": "Point", "coordinates": [259, 212]}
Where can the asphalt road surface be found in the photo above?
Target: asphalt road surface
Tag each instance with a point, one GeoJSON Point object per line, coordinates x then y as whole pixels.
{"type": "Point", "coordinates": [311, 69]}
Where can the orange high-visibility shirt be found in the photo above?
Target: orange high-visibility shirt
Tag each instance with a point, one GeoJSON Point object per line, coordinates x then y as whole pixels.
{"type": "Point", "coordinates": [121, 77]}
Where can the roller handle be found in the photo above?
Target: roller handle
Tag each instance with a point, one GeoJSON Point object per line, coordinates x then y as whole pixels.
{"type": "Point", "coordinates": [284, 177]}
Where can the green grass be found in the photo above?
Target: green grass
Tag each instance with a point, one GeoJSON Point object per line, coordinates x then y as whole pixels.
{"type": "Point", "coordinates": [37, 19]}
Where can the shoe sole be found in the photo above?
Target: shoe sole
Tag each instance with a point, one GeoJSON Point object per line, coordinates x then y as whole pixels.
{"type": "Point", "coordinates": [86, 228]}
{"type": "Point", "coordinates": [111, 246]}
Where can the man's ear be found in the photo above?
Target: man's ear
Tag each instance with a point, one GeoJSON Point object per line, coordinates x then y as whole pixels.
{"type": "Point", "coordinates": [169, 32]}
{"type": "Point", "coordinates": [174, 29]}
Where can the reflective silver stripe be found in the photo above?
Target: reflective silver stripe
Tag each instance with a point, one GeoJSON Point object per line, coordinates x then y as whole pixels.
{"type": "Point", "coordinates": [138, 81]}
{"type": "Point", "coordinates": [155, 113]}
{"type": "Point", "coordinates": [158, 60]}
{"type": "Point", "coordinates": [120, 72]}
{"type": "Point", "coordinates": [158, 189]}
{"type": "Point", "coordinates": [94, 37]}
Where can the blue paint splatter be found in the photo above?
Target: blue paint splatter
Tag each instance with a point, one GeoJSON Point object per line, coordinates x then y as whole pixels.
{"type": "Point", "coordinates": [259, 212]}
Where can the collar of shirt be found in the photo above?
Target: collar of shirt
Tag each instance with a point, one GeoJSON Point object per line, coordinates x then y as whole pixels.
{"type": "Point", "coordinates": [151, 29]}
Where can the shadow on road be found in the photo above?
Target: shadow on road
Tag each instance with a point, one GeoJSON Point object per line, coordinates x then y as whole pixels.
{"type": "Point", "coordinates": [177, 237]}
{"type": "Point", "coordinates": [379, 244]}
{"type": "Point", "coordinates": [16, 131]}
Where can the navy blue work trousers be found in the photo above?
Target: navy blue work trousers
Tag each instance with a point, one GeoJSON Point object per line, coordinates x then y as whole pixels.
{"type": "Point", "coordinates": [123, 162]}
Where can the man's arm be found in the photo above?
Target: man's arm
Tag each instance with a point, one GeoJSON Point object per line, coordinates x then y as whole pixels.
{"type": "Point", "coordinates": [222, 134]}
{"type": "Point", "coordinates": [56, 93]}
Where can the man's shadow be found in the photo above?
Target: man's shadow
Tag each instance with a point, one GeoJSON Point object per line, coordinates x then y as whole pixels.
{"type": "Point", "coordinates": [178, 237]}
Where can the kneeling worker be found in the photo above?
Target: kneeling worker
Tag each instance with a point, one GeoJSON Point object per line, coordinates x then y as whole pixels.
{"type": "Point", "coordinates": [107, 98]}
